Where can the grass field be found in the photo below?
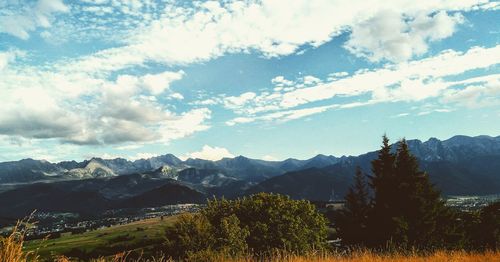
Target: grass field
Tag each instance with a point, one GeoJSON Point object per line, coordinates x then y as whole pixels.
{"type": "Point", "coordinates": [138, 234]}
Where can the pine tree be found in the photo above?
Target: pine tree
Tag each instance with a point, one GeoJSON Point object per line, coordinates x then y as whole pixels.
{"type": "Point", "coordinates": [352, 221]}
{"type": "Point", "coordinates": [420, 204]}
{"type": "Point", "coordinates": [407, 209]}
{"type": "Point", "coordinates": [383, 183]}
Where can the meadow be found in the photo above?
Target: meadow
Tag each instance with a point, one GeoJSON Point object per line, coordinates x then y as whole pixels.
{"type": "Point", "coordinates": [136, 235]}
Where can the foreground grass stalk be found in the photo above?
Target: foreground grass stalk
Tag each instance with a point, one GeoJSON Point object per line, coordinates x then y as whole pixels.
{"type": "Point", "coordinates": [11, 247]}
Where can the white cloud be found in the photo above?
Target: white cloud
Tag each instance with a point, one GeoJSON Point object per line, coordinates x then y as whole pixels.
{"type": "Point", "coordinates": [239, 120]}
{"type": "Point", "coordinates": [390, 35]}
{"type": "Point", "coordinates": [401, 115]}
{"type": "Point", "coordinates": [479, 94]}
{"type": "Point", "coordinates": [99, 103]}
{"type": "Point", "coordinates": [185, 124]}
{"type": "Point", "coordinates": [134, 98]}
{"type": "Point", "coordinates": [273, 28]}
{"type": "Point", "coordinates": [9, 57]}
{"type": "Point", "coordinates": [436, 110]}
{"type": "Point", "coordinates": [210, 153]}
{"type": "Point", "coordinates": [4, 60]}
{"type": "Point", "coordinates": [493, 6]}
{"type": "Point", "coordinates": [281, 81]}
{"type": "Point", "coordinates": [269, 158]}
{"type": "Point", "coordinates": [158, 83]}
{"type": "Point", "coordinates": [407, 81]}
{"type": "Point", "coordinates": [162, 127]}
{"type": "Point", "coordinates": [142, 156]}
{"type": "Point", "coordinates": [128, 146]}
{"type": "Point", "coordinates": [311, 80]}
{"type": "Point", "coordinates": [76, 107]}
{"type": "Point", "coordinates": [235, 102]}
{"type": "Point", "coordinates": [22, 114]}
{"type": "Point", "coordinates": [177, 96]}
{"type": "Point", "coordinates": [15, 148]}
{"type": "Point", "coordinates": [20, 20]}
{"type": "Point", "coordinates": [288, 115]}
{"type": "Point", "coordinates": [208, 101]}
{"type": "Point", "coordinates": [336, 75]}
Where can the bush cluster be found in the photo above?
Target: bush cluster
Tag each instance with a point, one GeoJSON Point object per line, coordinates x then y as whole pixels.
{"type": "Point", "coordinates": [258, 224]}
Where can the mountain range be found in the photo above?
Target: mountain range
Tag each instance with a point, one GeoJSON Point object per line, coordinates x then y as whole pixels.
{"type": "Point", "coordinates": [30, 170]}
{"type": "Point", "coordinates": [459, 165]}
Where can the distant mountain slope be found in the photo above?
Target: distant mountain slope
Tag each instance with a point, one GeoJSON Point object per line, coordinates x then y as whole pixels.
{"type": "Point", "coordinates": [213, 182]}
{"type": "Point", "coordinates": [312, 184]}
{"type": "Point", "coordinates": [455, 149]}
{"type": "Point", "coordinates": [205, 177]}
{"type": "Point", "coordinates": [117, 187]}
{"type": "Point", "coordinates": [69, 197]}
{"type": "Point", "coordinates": [320, 161]}
{"type": "Point", "coordinates": [47, 197]}
{"type": "Point", "coordinates": [248, 169]}
{"type": "Point", "coordinates": [27, 170]}
{"type": "Point", "coordinates": [457, 166]}
{"type": "Point", "coordinates": [168, 194]}
{"type": "Point", "coordinates": [92, 169]}
{"type": "Point", "coordinates": [475, 176]}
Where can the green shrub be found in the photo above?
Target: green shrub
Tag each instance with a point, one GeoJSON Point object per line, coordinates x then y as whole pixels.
{"type": "Point", "coordinates": [259, 224]}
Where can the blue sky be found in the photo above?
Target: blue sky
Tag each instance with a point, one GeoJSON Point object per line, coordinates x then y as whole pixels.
{"type": "Point", "coordinates": [265, 79]}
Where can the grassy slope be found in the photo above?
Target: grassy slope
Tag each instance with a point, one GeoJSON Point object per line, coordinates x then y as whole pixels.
{"type": "Point", "coordinates": [153, 229]}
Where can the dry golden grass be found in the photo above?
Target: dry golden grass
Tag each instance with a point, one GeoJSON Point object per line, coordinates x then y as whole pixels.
{"type": "Point", "coordinates": [121, 257]}
{"type": "Point", "coordinates": [11, 247]}
{"type": "Point", "coordinates": [16, 255]}
{"type": "Point", "coordinates": [359, 256]}
{"type": "Point", "coordinates": [368, 256]}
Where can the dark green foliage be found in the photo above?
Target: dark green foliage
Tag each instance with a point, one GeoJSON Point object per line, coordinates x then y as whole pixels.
{"type": "Point", "coordinates": [406, 209]}
{"type": "Point", "coordinates": [418, 204]}
{"type": "Point", "coordinates": [482, 228]}
{"type": "Point", "coordinates": [383, 183]}
{"type": "Point", "coordinates": [194, 233]}
{"type": "Point", "coordinates": [406, 205]}
{"type": "Point", "coordinates": [353, 219]}
{"type": "Point", "coordinates": [490, 225]}
{"type": "Point", "coordinates": [258, 224]}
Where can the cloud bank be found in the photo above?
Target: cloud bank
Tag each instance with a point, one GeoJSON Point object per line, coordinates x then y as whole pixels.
{"type": "Point", "coordinates": [111, 95]}
{"type": "Point", "coordinates": [210, 153]}
{"type": "Point", "coordinates": [407, 81]}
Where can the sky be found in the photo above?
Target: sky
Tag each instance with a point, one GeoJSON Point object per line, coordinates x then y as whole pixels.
{"type": "Point", "coordinates": [268, 79]}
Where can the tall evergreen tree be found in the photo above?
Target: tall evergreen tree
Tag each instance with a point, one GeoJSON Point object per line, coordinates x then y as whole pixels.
{"type": "Point", "coordinates": [383, 184]}
{"type": "Point", "coordinates": [352, 220]}
{"type": "Point", "coordinates": [419, 203]}
{"type": "Point", "coordinates": [407, 209]}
